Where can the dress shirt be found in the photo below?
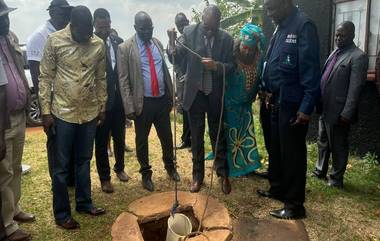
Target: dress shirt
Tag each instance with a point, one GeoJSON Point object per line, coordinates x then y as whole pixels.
{"type": "Point", "coordinates": [145, 67]}
{"type": "Point", "coordinates": [36, 42]}
{"type": "Point", "coordinates": [16, 92]}
{"type": "Point", "coordinates": [73, 83]}
{"type": "Point", "coordinates": [111, 52]}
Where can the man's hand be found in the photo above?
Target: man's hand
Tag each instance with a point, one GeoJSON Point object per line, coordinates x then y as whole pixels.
{"type": "Point", "coordinates": [101, 118]}
{"type": "Point", "coordinates": [3, 147]}
{"type": "Point", "coordinates": [131, 116]}
{"type": "Point", "coordinates": [302, 119]}
{"type": "Point", "coordinates": [47, 122]}
{"type": "Point", "coordinates": [210, 64]}
{"type": "Point", "coordinates": [344, 122]}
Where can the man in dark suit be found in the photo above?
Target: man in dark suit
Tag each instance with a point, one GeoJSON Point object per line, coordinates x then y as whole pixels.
{"type": "Point", "coordinates": [115, 119]}
{"type": "Point", "coordinates": [147, 93]}
{"type": "Point", "coordinates": [204, 88]}
{"type": "Point", "coordinates": [181, 22]}
{"type": "Point", "coordinates": [291, 77]}
{"type": "Point", "coordinates": [344, 75]}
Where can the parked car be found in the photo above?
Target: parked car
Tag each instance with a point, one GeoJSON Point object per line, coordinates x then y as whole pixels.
{"type": "Point", "coordinates": [34, 116]}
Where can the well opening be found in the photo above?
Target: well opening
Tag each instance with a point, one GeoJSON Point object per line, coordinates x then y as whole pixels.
{"type": "Point", "coordinates": [156, 230]}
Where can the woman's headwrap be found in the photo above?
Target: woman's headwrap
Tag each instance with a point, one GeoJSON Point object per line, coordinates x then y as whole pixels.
{"type": "Point", "coordinates": [252, 35]}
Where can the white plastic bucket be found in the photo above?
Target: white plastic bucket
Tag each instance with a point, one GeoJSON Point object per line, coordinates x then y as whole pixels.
{"type": "Point", "coordinates": [179, 227]}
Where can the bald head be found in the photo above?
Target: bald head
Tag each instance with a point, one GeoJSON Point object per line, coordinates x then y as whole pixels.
{"type": "Point", "coordinates": [345, 34]}
{"type": "Point", "coordinates": [278, 10]}
{"type": "Point", "coordinates": [81, 24]}
{"type": "Point", "coordinates": [211, 20]}
{"type": "Point", "coordinates": [181, 22]}
{"type": "Point", "coordinates": [144, 26]}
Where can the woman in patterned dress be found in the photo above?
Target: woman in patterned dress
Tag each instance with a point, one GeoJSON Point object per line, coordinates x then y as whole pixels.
{"type": "Point", "coordinates": [241, 91]}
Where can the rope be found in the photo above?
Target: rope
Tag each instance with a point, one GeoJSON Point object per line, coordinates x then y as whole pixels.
{"type": "Point", "coordinates": [175, 206]}
{"type": "Point", "coordinates": [176, 203]}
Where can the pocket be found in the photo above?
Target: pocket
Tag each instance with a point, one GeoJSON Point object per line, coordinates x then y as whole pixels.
{"type": "Point", "coordinates": [288, 60]}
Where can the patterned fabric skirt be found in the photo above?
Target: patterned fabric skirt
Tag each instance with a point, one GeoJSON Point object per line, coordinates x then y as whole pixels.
{"type": "Point", "coordinates": [242, 153]}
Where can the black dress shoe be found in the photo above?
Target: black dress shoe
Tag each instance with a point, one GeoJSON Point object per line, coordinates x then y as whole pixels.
{"type": "Point", "coordinates": [148, 184]}
{"type": "Point", "coordinates": [173, 174]}
{"type": "Point", "coordinates": [69, 224]}
{"type": "Point", "coordinates": [261, 174]}
{"type": "Point", "coordinates": [226, 185]}
{"type": "Point", "coordinates": [23, 217]}
{"type": "Point", "coordinates": [334, 183]}
{"type": "Point", "coordinates": [289, 213]}
{"type": "Point", "coordinates": [318, 175]}
{"type": "Point", "coordinates": [94, 211]}
{"type": "Point", "coordinates": [183, 145]}
{"type": "Point", "coordinates": [267, 194]}
{"type": "Point", "coordinates": [195, 186]}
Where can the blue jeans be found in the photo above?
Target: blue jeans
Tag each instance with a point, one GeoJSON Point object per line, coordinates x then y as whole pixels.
{"type": "Point", "coordinates": [72, 140]}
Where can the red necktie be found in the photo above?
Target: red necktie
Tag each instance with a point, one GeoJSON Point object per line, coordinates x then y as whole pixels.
{"type": "Point", "coordinates": [153, 73]}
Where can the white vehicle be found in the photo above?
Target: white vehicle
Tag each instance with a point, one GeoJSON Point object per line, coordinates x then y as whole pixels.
{"type": "Point", "coordinates": [34, 116]}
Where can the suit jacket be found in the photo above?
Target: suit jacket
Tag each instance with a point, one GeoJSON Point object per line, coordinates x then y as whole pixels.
{"type": "Point", "coordinates": [130, 76]}
{"type": "Point", "coordinates": [343, 88]}
{"type": "Point", "coordinates": [18, 58]}
{"type": "Point", "coordinates": [377, 73]}
{"type": "Point", "coordinates": [113, 88]}
{"type": "Point", "coordinates": [222, 52]}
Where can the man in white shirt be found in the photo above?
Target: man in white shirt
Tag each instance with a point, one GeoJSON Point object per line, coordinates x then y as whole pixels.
{"type": "Point", "coordinates": [59, 11]}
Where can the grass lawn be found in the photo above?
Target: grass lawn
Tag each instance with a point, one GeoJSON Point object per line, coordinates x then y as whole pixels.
{"type": "Point", "coordinates": [341, 215]}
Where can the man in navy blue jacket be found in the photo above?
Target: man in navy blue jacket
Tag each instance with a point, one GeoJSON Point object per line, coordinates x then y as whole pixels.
{"type": "Point", "coordinates": [292, 79]}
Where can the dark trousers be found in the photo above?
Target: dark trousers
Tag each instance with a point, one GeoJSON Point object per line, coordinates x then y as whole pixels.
{"type": "Point", "coordinates": [265, 121]}
{"type": "Point", "coordinates": [114, 124]}
{"type": "Point", "coordinates": [201, 106]}
{"type": "Point", "coordinates": [288, 157]}
{"type": "Point", "coordinates": [50, 145]}
{"type": "Point", "coordinates": [332, 139]}
{"type": "Point", "coordinates": [76, 139]}
{"type": "Point", "coordinates": [186, 133]}
{"type": "Point", "coordinates": [2, 228]}
{"type": "Point", "coordinates": [156, 111]}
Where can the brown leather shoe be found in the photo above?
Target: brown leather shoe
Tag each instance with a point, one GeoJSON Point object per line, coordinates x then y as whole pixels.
{"type": "Point", "coordinates": [23, 217]}
{"type": "Point", "coordinates": [123, 176]}
{"type": "Point", "coordinates": [226, 185]}
{"type": "Point", "coordinates": [107, 187]}
{"type": "Point", "coordinates": [19, 235]}
{"type": "Point", "coordinates": [70, 224]}
{"type": "Point", "coordinates": [94, 211]}
{"type": "Point", "coordinates": [195, 186]}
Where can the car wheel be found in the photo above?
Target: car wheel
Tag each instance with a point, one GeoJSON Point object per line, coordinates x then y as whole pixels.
{"type": "Point", "coordinates": [34, 115]}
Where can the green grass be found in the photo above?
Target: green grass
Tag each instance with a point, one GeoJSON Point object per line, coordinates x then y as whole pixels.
{"type": "Point", "coordinates": [348, 214]}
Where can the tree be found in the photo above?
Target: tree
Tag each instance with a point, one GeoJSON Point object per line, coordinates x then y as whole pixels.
{"type": "Point", "coordinates": [236, 13]}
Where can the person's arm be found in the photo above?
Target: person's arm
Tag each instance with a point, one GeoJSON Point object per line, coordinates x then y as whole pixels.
{"type": "Point", "coordinates": [34, 67]}
{"type": "Point", "coordinates": [124, 82]}
{"type": "Point", "coordinates": [3, 116]}
{"type": "Point", "coordinates": [228, 60]}
{"type": "Point", "coordinates": [309, 68]}
{"type": "Point", "coordinates": [358, 76]}
{"type": "Point", "coordinates": [101, 84]}
{"type": "Point", "coordinates": [48, 70]}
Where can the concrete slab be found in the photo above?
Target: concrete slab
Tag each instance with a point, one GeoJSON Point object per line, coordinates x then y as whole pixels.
{"type": "Point", "coordinates": [270, 230]}
{"type": "Point", "coordinates": [126, 228]}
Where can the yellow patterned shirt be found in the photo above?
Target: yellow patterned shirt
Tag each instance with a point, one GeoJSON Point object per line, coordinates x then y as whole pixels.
{"type": "Point", "coordinates": [73, 83]}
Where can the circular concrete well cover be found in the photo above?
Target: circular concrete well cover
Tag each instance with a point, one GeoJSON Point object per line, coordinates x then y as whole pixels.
{"type": "Point", "coordinates": [146, 218]}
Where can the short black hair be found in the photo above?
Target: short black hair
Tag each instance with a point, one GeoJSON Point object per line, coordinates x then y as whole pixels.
{"type": "Point", "coordinates": [80, 16]}
{"type": "Point", "coordinates": [349, 26]}
{"type": "Point", "coordinates": [101, 13]}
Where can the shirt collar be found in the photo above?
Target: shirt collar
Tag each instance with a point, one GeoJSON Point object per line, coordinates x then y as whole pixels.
{"type": "Point", "coordinates": [50, 27]}
{"type": "Point", "coordinates": [285, 23]}
{"type": "Point", "coordinates": [140, 42]}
